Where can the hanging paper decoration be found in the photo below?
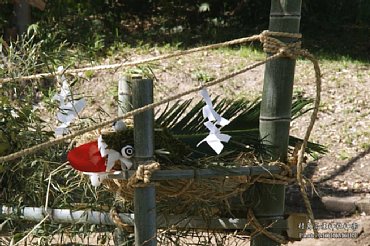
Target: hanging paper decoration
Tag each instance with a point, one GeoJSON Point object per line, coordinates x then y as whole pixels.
{"type": "Point", "coordinates": [215, 137]}
{"type": "Point", "coordinates": [114, 156]}
{"type": "Point", "coordinates": [209, 112]}
{"type": "Point", "coordinates": [68, 108]}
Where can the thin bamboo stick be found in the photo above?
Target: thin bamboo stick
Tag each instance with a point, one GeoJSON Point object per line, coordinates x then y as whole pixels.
{"type": "Point", "coordinates": [200, 173]}
{"type": "Point", "coordinates": [124, 96]}
{"type": "Point", "coordinates": [69, 216]}
{"type": "Point", "coordinates": [121, 237]}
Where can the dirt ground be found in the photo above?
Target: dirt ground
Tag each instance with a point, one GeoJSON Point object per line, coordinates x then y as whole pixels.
{"type": "Point", "coordinates": [342, 125]}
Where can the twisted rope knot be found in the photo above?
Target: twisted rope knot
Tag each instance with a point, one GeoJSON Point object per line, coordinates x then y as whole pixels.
{"type": "Point", "coordinates": [263, 229]}
{"type": "Point", "coordinates": [143, 174]}
{"type": "Point", "coordinates": [285, 177]}
{"type": "Point", "coordinates": [114, 215]}
{"type": "Point", "coordinates": [274, 46]}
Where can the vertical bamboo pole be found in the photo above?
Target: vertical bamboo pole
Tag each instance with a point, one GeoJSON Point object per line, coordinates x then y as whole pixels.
{"type": "Point", "coordinates": [122, 237]}
{"type": "Point", "coordinates": [124, 96]}
{"type": "Point", "coordinates": [144, 197]}
{"type": "Point", "coordinates": [275, 112]}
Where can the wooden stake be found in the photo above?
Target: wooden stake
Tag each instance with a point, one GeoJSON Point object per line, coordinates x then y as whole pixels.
{"type": "Point", "coordinates": [144, 197]}
{"type": "Point", "coordinates": [275, 114]}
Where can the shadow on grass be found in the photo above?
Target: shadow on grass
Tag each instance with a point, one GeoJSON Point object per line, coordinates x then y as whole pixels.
{"type": "Point", "coordinates": [294, 199]}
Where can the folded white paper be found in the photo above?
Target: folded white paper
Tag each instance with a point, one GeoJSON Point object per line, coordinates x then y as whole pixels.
{"type": "Point", "coordinates": [215, 137]}
{"type": "Point", "coordinates": [209, 112]}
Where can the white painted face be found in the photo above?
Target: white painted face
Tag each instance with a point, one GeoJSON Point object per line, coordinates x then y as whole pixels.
{"type": "Point", "coordinates": [127, 151]}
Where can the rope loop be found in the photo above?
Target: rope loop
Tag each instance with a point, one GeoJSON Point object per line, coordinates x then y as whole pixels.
{"type": "Point", "coordinates": [262, 229]}
{"type": "Point", "coordinates": [142, 176]}
{"type": "Point", "coordinates": [114, 215]}
{"type": "Point", "coordinates": [272, 45]}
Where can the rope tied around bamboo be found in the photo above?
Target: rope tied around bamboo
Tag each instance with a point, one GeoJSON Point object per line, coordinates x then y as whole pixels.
{"type": "Point", "coordinates": [114, 215]}
{"type": "Point", "coordinates": [261, 229]}
{"type": "Point", "coordinates": [142, 176]}
{"type": "Point", "coordinates": [272, 45]}
{"type": "Point", "coordinates": [285, 177]}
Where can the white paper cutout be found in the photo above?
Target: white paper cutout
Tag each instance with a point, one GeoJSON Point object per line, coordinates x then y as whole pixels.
{"type": "Point", "coordinates": [102, 146]}
{"type": "Point", "coordinates": [113, 156]}
{"type": "Point", "coordinates": [215, 137]}
{"type": "Point", "coordinates": [69, 108]}
{"type": "Point", "coordinates": [209, 112]}
{"type": "Point", "coordinates": [127, 162]}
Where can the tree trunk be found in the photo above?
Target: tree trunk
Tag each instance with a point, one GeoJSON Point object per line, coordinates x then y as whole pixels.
{"type": "Point", "coordinates": [22, 12]}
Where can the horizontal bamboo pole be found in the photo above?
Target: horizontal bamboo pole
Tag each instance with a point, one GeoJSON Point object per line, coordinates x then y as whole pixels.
{"type": "Point", "coordinates": [103, 218]}
{"type": "Point", "coordinates": [201, 173]}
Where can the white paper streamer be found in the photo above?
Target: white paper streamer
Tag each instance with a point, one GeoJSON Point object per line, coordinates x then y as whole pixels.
{"type": "Point", "coordinates": [113, 156]}
{"type": "Point", "coordinates": [209, 112]}
{"type": "Point", "coordinates": [215, 137]}
{"type": "Point", "coordinates": [102, 146]}
{"type": "Point", "coordinates": [69, 109]}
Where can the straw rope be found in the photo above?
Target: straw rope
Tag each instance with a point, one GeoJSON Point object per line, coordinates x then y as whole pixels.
{"type": "Point", "coordinates": [271, 45]}
{"type": "Point", "coordinates": [314, 114]}
{"type": "Point", "coordinates": [260, 229]}
{"type": "Point", "coordinates": [53, 142]}
{"type": "Point", "coordinates": [114, 215]}
{"type": "Point", "coordinates": [263, 37]}
{"type": "Point", "coordinates": [135, 63]}
{"type": "Point", "coordinates": [144, 171]}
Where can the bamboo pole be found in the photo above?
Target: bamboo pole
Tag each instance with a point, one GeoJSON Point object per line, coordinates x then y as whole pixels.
{"type": "Point", "coordinates": [275, 114]}
{"type": "Point", "coordinates": [70, 216]}
{"type": "Point", "coordinates": [201, 173]}
{"type": "Point", "coordinates": [144, 197]}
{"type": "Point", "coordinates": [122, 237]}
{"type": "Point", "coordinates": [124, 96]}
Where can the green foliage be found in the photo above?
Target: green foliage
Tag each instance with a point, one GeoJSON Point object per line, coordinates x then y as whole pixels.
{"type": "Point", "coordinates": [27, 181]}
{"type": "Point", "coordinates": [187, 125]}
{"type": "Point", "coordinates": [94, 27]}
